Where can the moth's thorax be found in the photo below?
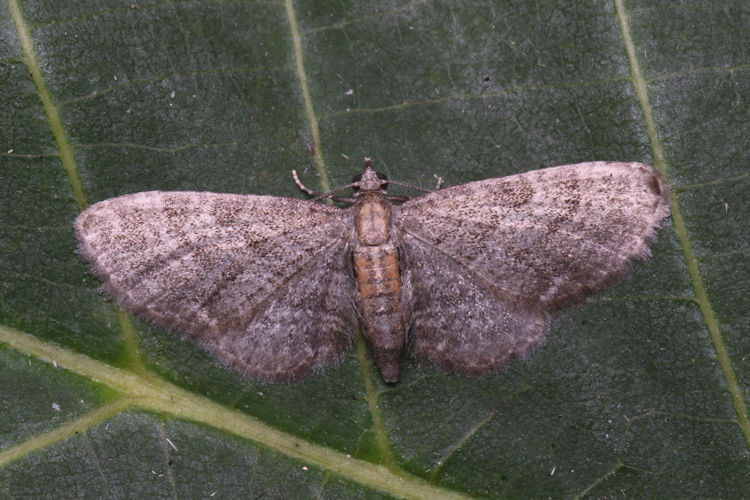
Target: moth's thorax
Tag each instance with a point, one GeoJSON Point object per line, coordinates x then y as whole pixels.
{"type": "Point", "coordinates": [376, 266]}
{"type": "Point", "coordinates": [372, 218]}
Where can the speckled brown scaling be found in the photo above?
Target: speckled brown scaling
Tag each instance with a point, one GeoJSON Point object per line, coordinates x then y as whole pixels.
{"type": "Point", "coordinates": [462, 278]}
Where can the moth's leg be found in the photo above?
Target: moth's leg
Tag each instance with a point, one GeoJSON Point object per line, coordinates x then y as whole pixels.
{"type": "Point", "coordinates": [317, 195]}
{"type": "Point", "coordinates": [303, 187]}
{"type": "Point", "coordinates": [439, 182]}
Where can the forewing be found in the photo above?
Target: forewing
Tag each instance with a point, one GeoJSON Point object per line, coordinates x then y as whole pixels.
{"type": "Point", "coordinates": [460, 321]}
{"type": "Point", "coordinates": [548, 236]}
{"type": "Point", "coordinates": [261, 281]}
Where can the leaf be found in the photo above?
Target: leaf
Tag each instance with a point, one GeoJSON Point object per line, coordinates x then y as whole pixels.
{"type": "Point", "coordinates": [641, 392]}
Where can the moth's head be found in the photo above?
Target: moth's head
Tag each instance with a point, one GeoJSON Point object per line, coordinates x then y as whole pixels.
{"type": "Point", "coordinates": [369, 180]}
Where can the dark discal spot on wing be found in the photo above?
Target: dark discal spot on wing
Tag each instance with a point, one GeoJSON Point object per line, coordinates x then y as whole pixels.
{"type": "Point", "coordinates": [581, 230]}
{"type": "Point", "coordinates": [514, 194]}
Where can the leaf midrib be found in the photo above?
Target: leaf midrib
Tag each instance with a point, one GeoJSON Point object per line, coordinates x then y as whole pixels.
{"type": "Point", "coordinates": [678, 222]}
{"type": "Point", "coordinates": [154, 393]}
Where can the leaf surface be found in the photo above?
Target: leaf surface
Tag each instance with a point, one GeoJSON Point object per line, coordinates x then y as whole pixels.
{"type": "Point", "coordinates": [641, 392]}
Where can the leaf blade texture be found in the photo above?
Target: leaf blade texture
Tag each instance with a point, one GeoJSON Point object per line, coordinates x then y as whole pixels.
{"type": "Point", "coordinates": [639, 392]}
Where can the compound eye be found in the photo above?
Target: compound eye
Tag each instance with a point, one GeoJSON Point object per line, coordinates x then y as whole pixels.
{"type": "Point", "coordinates": [384, 179]}
{"type": "Point", "coordinates": [355, 181]}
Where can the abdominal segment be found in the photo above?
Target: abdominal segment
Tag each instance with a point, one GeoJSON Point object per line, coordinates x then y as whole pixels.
{"type": "Point", "coordinates": [379, 285]}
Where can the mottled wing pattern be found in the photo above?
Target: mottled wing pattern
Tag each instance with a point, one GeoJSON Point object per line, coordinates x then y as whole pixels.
{"type": "Point", "coordinates": [547, 237]}
{"type": "Point", "coordinates": [263, 282]}
{"type": "Point", "coordinates": [462, 322]}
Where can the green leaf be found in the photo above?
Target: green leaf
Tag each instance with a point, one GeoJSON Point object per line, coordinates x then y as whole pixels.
{"type": "Point", "coordinates": [641, 392]}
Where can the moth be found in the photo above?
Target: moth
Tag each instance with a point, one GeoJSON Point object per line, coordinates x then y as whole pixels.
{"type": "Point", "coordinates": [463, 278]}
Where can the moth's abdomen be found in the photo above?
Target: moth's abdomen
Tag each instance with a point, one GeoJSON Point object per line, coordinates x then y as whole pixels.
{"type": "Point", "coordinates": [376, 267]}
{"type": "Point", "coordinates": [379, 284]}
